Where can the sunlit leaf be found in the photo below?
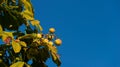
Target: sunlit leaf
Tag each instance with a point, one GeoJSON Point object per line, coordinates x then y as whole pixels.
{"type": "Point", "coordinates": [23, 44]}
{"type": "Point", "coordinates": [4, 37]}
{"type": "Point", "coordinates": [6, 34]}
{"type": "Point", "coordinates": [17, 64]}
{"type": "Point", "coordinates": [13, 14]}
{"type": "Point", "coordinates": [56, 59]}
{"type": "Point", "coordinates": [39, 27]}
{"type": "Point", "coordinates": [28, 12]}
{"type": "Point", "coordinates": [55, 56]}
{"type": "Point", "coordinates": [28, 15]}
{"type": "Point", "coordinates": [27, 5]}
{"type": "Point", "coordinates": [16, 46]}
{"type": "Point", "coordinates": [52, 48]}
{"type": "Point", "coordinates": [27, 36]}
{"type": "Point", "coordinates": [36, 23]}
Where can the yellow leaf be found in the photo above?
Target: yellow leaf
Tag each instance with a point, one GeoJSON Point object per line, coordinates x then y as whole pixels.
{"type": "Point", "coordinates": [1, 30]}
{"type": "Point", "coordinates": [27, 36]}
{"type": "Point", "coordinates": [28, 10]}
{"type": "Point", "coordinates": [52, 48]}
{"type": "Point", "coordinates": [7, 34]}
{"type": "Point", "coordinates": [16, 46]}
{"type": "Point", "coordinates": [39, 27]}
{"type": "Point", "coordinates": [27, 5]}
{"type": "Point", "coordinates": [23, 44]}
{"type": "Point", "coordinates": [4, 37]}
{"type": "Point", "coordinates": [53, 56]}
{"type": "Point", "coordinates": [35, 22]}
{"type": "Point", "coordinates": [17, 64]}
{"type": "Point", "coordinates": [28, 15]}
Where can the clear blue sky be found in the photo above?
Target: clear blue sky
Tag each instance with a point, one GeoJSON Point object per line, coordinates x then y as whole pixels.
{"type": "Point", "coordinates": [90, 30]}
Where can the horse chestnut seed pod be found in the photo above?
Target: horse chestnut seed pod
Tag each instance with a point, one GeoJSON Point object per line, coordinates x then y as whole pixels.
{"type": "Point", "coordinates": [58, 42]}
{"type": "Point", "coordinates": [51, 30]}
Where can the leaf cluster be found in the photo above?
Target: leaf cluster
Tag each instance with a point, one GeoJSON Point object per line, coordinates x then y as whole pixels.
{"type": "Point", "coordinates": [18, 47]}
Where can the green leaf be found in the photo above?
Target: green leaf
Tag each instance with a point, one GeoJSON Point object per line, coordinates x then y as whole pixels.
{"type": "Point", "coordinates": [17, 64]}
{"type": "Point", "coordinates": [16, 46]}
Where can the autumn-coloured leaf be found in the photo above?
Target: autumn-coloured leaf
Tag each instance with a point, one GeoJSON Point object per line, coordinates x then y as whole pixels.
{"type": "Point", "coordinates": [16, 46]}
{"type": "Point", "coordinates": [8, 40]}
{"type": "Point", "coordinates": [5, 35]}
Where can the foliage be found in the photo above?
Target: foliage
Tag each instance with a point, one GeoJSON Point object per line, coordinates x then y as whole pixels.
{"type": "Point", "coordinates": [19, 47]}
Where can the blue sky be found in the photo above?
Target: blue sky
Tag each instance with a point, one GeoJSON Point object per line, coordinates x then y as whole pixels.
{"type": "Point", "coordinates": [90, 30]}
